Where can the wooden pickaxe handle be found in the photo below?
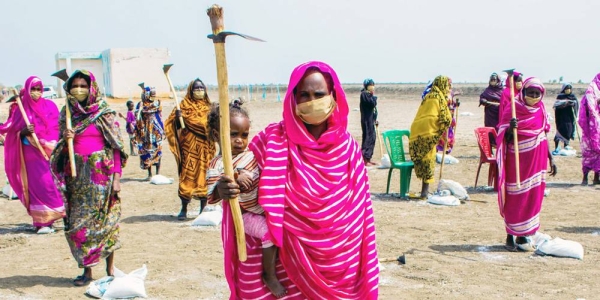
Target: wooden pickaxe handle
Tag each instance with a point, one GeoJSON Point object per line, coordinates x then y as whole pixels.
{"type": "Point", "coordinates": [215, 13]}
{"type": "Point", "coordinates": [26, 119]}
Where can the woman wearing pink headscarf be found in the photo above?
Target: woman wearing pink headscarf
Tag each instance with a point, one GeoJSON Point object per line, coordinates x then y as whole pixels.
{"type": "Point", "coordinates": [589, 121]}
{"type": "Point", "coordinates": [27, 169]}
{"type": "Point", "coordinates": [315, 193]}
{"type": "Point", "coordinates": [520, 206]}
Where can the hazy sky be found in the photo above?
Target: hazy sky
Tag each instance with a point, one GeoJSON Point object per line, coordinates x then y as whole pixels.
{"type": "Point", "coordinates": [387, 40]}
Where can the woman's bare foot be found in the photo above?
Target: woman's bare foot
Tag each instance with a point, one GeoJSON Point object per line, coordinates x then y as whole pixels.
{"type": "Point", "coordinates": [274, 286]}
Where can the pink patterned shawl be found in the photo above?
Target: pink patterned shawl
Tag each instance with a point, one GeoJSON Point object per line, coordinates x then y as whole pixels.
{"type": "Point", "coordinates": [520, 207]}
{"type": "Point", "coordinates": [40, 197]}
{"type": "Point", "coordinates": [315, 194]}
{"type": "Point", "coordinates": [589, 121]}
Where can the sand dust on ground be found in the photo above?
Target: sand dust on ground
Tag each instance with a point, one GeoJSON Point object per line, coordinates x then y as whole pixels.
{"type": "Point", "coordinates": [451, 252]}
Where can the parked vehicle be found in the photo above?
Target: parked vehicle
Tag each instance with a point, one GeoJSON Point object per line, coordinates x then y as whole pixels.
{"type": "Point", "coordinates": [49, 93]}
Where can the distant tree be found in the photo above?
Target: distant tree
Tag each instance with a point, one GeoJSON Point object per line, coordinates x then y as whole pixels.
{"type": "Point", "coordinates": [580, 81]}
{"type": "Point", "coordinates": [560, 79]}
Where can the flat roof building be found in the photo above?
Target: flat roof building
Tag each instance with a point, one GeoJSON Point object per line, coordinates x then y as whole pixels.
{"type": "Point", "coordinates": [118, 71]}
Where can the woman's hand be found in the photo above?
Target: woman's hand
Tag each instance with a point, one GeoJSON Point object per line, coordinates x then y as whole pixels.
{"type": "Point", "coordinates": [116, 186]}
{"type": "Point", "coordinates": [29, 130]}
{"type": "Point", "coordinates": [514, 123]}
{"type": "Point", "coordinates": [69, 134]}
{"type": "Point", "coordinates": [553, 168]}
{"type": "Point", "coordinates": [227, 188]}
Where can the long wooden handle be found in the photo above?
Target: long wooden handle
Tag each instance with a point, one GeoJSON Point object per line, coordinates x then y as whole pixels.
{"type": "Point", "coordinates": [70, 141]}
{"type": "Point", "coordinates": [35, 138]}
{"type": "Point", "coordinates": [226, 146]}
{"type": "Point", "coordinates": [443, 158]}
{"type": "Point", "coordinates": [379, 139]}
{"type": "Point", "coordinates": [515, 138]}
{"type": "Point", "coordinates": [215, 14]}
{"type": "Point", "coordinates": [576, 125]}
{"type": "Point", "coordinates": [176, 101]}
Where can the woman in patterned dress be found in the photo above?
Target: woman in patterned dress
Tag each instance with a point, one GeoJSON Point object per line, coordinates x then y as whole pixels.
{"type": "Point", "coordinates": [91, 198]}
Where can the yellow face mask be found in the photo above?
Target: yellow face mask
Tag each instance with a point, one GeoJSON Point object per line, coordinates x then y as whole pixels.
{"type": "Point", "coordinates": [198, 95]}
{"type": "Point", "coordinates": [35, 95]}
{"type": "Point", "coordinates": [79, 93]}
{"type": "Point", "coordinates": [568, 91]}
{"type": "Point", "coordinates": [531, 101]}
{"type": "Point", "coordinates": [518, 85]}
{"type": "Point", "coordinates": [316, 111]}
{"type": "Point", "coordinates": [370, 88]}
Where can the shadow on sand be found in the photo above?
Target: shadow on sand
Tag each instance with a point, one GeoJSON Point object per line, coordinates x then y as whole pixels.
{"type": "Point", "coordinates": [17, 228]}
{"type": "Point", "coordinates": [125, 180]}
{"type": "Point", "coordinates": [467, 248]}
{"type": "Point", "coordinates": [21, 281]}
{"type": "Point", "coordinates": [577, 229]}
{"type": "Point", "coordinates": [152, 218]}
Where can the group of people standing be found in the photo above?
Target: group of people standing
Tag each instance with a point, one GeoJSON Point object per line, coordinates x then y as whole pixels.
{"type": "Point", "coordinates": [84, 192]}
{"type": "Point", "coordinates": [570, 116]}
{"type": "Point", "coordinates": [296, 179]}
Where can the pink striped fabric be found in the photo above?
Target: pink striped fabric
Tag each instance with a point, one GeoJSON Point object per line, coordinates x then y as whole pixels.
{"type": "Point", "coordinates": [520, 207]}
{"type": "Point", "coordinates": [315, 194]}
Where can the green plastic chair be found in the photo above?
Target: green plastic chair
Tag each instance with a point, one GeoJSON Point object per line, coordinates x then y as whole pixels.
{"type": "Point", "coordinates": [394, 145]}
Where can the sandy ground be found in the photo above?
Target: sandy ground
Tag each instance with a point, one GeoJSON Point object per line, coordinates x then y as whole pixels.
{"type": "Point", "coordinates": [451, 252]}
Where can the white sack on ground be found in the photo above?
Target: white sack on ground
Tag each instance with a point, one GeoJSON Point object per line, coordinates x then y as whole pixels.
{"type": "Point", "coordinates": [160, 179]}
{"type": "Point", "coordinates": [455, 188]}
{"type": "Point", "coordinates": [448, 159]}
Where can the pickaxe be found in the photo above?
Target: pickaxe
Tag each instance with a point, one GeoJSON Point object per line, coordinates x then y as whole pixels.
{"type": "Point", "coordinates": [62, 75]}
{"type": "Point", "coordinates": [511, 85]}
{"type": "Point", "coordinates": [166, 71]}
{"type": "Point", "coordinates": [400, 259]}
{"type": "Point", "coordinates": [218, 36]}
{"type": "Point", "coordinates": [139, 115]}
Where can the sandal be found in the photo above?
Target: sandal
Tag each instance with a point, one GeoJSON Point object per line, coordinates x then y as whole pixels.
{"type": "Point", "coordinates": [81, 280]}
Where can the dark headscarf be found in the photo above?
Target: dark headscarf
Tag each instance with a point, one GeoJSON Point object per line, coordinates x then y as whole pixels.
{"type": "Point", "coordinates": [563, 96]}
{"type": "Point", "coordinates": [493, 92]}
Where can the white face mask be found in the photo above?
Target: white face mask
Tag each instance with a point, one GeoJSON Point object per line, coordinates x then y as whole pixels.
{"type": "Point", "coordinates": [316, 111]}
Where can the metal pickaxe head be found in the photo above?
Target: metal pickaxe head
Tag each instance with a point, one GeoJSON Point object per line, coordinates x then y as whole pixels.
{"type": "Point", "coordinates": [167, 67]}
{"type": "Point", "coordinates": [401, 259]}
{"type": "Point", "coordinates": [509, 71]}
{"type": "Point", "coordinates": [141, 84]}
{"type": "Point", "coordinates": [220, 38]}
{"type": "Point", "coordinates": [215, 13]}
{"type": "Point", "coordinates": [62, 75]}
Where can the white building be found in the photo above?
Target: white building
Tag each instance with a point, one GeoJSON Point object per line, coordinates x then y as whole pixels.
{"type": "Point", "coordinates": [120, 70]}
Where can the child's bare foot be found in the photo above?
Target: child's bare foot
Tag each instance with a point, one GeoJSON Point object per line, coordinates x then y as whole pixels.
{"type": "Point", "coordinates": [274, 286]}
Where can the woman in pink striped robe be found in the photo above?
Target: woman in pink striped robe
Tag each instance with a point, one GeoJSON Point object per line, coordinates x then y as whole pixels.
{"type": "Point", "coordinates": [520, 206]}
{"type": "Point", "coordinates": [315, 193]}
